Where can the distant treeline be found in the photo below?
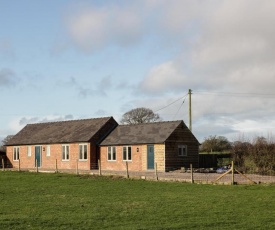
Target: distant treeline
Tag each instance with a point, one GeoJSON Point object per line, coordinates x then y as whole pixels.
{"type": "Point", "coordinates": [249, 156]}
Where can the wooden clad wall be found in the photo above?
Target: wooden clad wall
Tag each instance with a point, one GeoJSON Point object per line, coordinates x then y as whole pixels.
{"type": "Point", "coordinates": [181, 136]}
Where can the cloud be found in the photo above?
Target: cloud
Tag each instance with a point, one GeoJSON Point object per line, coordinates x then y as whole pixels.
{"type": "Point", "coordinates": [232, 45]}
{"type": "Point", "coordinates": [100, 112]}
{"type": "Point", "coordinates": [167, 77]}
{"type": "Point", "coordinates": [7, 77]}
{"type": "Point", "coordinates": [128, 23]}
{"type": "Point", "coordinates": [85, 90]}
{"type": "Point", "coordinates": [17, 124]}
{"type": "Point", "coordinates": [91, 27]}
{"type": "Point", "coordinates": [31, 120]}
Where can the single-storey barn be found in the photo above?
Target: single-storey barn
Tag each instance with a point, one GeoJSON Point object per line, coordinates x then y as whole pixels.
{"type": "Point", "coordinates": [165, 145]}
{"type": "Point", "coordinates": [81, 143]}
{"type": "Point", "coordinates": [62, 145]}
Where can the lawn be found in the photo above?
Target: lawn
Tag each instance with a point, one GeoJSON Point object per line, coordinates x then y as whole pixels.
{"type": "Point", "coordinates": [63, 201]}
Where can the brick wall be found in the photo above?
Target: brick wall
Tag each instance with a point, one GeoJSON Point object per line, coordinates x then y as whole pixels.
{"type": "Point", "coordinates": [139, 159]}
{"type": "Point", "coordinates": [49, 162]}
{"type": "Point", "coordinates": [119, 165]}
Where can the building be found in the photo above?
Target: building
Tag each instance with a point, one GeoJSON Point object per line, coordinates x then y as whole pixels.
{"type": "Point", "coordinates": [62, 145]}
{"type": "Point", "coordinates": [81, 143]}
{"type": "Point", "coordinates": [165, 145]}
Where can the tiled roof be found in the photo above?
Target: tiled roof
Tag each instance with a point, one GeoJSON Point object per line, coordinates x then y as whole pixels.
{"type": "Point", "coordinates": [156, 132]}
{"type": "Point", "coordinates": [59, 132]}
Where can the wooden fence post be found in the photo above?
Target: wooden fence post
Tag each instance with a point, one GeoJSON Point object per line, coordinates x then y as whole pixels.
{"type": "Point", "coordinates": [233, 170]}
{"type": "Point", "coordinates": [36, 165]}
{"type": "Point", "coordinates": [3, 164]}
{"type": "Point", "coordinates": [127, 172]}
{"type": "Point", "coordinates": [156, 171]}
{"type": "Point", "coordinates": [56, 170]}
{"type": "Point", "coordinates": [76, 167]}
{"type": "Point", "coordinates": [99, 167]}
{"type": "Point", "coordinates": [18, 165]}
{"type": "Point", "coordinates": [192, 176]}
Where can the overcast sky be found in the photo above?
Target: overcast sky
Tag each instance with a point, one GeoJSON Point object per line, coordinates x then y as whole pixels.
{"type": "Point", "coordinates": [69, 59]}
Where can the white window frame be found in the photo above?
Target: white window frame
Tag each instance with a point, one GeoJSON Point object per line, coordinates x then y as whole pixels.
{"type": "Point", "coordinates": [65, 152]}
{"type": "Point", "coordinates": [48, 150]}
{"type": "Point", "coordinates": [29, 151]}
{"type": "Point", "coordinates": [111, 153]}
{"type": "Point", "coordinates": [126, 149]}
{"type": "Point", "coordinates": [16, 153]}
{"type": "Point", "coordinates": [182, 150]}
{"type": "Point", "coordinates": [81, 152]}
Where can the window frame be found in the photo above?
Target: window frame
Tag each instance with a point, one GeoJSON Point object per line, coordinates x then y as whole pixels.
{"type": "Point", "coordinates": [81, 152]}
{"type": "Point", "coordinates": [182, 153]}
{"type": "Point", "coordinates": [16, 153]}
{"type": "Point", "coordinates": [29, 151]}
{"type": "Point", "coordinates": [111, 153]}
{"type": "Point", "coordinates": [66, 153]}
{"type": "Point", "coordinates": [127, 148]}
{"type": "Point", "coordinates": [48, 150]}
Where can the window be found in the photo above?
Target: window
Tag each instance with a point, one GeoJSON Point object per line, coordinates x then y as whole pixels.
{"type": "Point", "coordinates": [16, 153]}
{"type": "Point", "coordinates": [83, 152]}
{"type": "Point", "coordinates": [111, 153]}
{"type": "Point", "coordinates": [65, 152]}
{"type": "Point", "coordinates": [48, 150]}
{"type": "Point", "coordinates": [127, 153]}
{"type": "Point", "coordinates": [29, 151]}
{"type": "Point", "coordinates": [182, 150]}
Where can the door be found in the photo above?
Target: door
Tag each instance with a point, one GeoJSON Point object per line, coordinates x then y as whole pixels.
{"type": "Point", "coordinates": [37, 156]}
{"type": "Point", "coordinates": [150, 157]}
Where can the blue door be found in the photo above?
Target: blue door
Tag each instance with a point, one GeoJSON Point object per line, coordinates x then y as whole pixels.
{"type": "Point", "coordinates": [150, 157]}
{"type": "Point", "coordinates": [38, 156]}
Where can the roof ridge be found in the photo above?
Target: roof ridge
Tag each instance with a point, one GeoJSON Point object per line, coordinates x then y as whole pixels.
{"type": "Point", "coordinates": [146, 123]}
{"type": "Point", "coordinates": [63, 121]}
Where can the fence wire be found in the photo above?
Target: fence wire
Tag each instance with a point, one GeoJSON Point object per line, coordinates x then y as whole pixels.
{"type": "Point", "coordinates": [194, 175]}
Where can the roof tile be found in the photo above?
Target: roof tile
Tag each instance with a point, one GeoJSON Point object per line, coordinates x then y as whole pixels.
{"type": "Point", "coordinates": [59, 132]}
{"type": "Point", "coordinates": [156, 132]}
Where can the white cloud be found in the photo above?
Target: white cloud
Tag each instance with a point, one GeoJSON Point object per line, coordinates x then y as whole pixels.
{"type": "Point", "coordinates": [237, 31]}
{"type": "Point", "coordinates": [163, 78]}
{"type": "Point", "coordinates": [129, 23]}
{"type": "Point", "coordinates": [234, 50]}
{"type": "Point", "coordinates": [223, 46]}
{"type": "Point", "coordinates": [92, 28]}
{"type": "Point", "coordinates": [17, 124]}
{"type": "Point", "coordinates": [31, 120]}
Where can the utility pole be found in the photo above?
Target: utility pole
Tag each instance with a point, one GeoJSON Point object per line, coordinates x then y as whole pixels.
{"type": "Point", "coordinates": [190, 110]}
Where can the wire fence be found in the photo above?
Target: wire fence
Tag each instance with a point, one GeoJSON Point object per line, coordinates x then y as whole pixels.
{"type": "Point", "coordinates": [191, 175]}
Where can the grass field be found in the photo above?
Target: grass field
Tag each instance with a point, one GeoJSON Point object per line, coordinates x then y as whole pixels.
{"type": "Point", "coordinates": [63, 201]}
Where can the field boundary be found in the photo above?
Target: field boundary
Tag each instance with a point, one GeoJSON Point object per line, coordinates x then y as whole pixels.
{"type": "Point", "coordinates": [173, 176]}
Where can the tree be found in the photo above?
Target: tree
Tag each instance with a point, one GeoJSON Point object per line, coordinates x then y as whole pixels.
{"type": "Point", "coordinates": [5, 141]}
{"type": "Point", "coordinates": [240, 152]}
{"type": "Point", "coordinates": [215, 144]}
{"type": "Point", "coordinates": [139, 115]}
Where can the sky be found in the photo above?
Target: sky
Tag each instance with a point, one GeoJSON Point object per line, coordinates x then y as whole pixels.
{"type": "Point", "coordinates": [66, 59]}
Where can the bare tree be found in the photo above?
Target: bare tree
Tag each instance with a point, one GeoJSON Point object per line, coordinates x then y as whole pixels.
{"type": "Point", "coordinates": [5, 141]}
{"type": "Point", "coordinates": [139, 115]}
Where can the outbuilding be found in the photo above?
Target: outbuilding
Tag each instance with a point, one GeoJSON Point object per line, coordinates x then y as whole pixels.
{"type": "Point", "coordinates": [62, 145]}
{"type": "Point", "coordinates": [165, 145]}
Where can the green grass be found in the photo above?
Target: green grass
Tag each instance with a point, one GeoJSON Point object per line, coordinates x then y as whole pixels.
{"type": "Point", "coordinates": [61, 201]}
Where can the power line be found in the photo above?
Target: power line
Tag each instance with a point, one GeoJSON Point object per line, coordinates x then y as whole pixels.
{"type": "Point", "coordinates": [180, 107]}
{"type": "Point", "coordinates": [171, 103]}
{"type": "Point", "coordinates": [234, 94]}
